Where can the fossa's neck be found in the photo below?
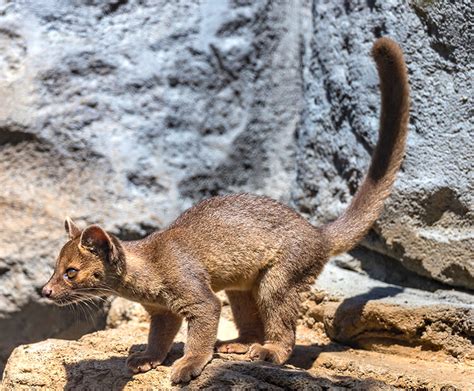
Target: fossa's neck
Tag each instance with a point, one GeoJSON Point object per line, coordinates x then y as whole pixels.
{"type": "Point", "coordinates": [139, 279]}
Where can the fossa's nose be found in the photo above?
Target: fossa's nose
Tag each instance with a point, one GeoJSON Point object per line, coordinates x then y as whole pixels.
{"type": "Point", "coordinates": [47, 291]}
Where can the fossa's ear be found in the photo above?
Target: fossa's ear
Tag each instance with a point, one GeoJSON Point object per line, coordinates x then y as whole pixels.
{"type": "Point", "coordinates": [95, 240]}
{"type": "Point", "coordinates": [71, 228]}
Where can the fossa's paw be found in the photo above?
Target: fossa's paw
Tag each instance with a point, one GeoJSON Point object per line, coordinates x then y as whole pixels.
{"type": "Point", "coordinates": [142, 362]}
{"type": "Point", "coordinates": [188, 367]}
{"type": "Point", "coordinates": [237, 345]}
{"type": "Point", "coordinates": [269, 352]}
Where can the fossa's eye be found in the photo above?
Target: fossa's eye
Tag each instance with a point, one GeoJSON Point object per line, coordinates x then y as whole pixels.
{"type": "Point", "coordinates": [70, 273]}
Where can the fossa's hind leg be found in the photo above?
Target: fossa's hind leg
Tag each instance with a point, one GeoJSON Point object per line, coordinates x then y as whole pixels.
{"type": "Point", "coordinates": [278, 301]}
{"type": "Point", "coordinates": [248, 322]}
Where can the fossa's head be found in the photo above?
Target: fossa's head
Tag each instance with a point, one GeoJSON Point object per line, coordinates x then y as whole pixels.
{"type": "Point", "coordinates": [86, 266]}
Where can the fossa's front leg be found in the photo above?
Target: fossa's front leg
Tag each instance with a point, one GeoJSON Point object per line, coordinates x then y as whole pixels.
{"type": "Point", "coordinates": [202, 315]}
{"type": "Point", "coordinates": [164, 326]}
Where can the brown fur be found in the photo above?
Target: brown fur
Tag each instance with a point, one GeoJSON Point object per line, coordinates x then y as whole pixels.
{"type": "Point", "coordinates": [367, 203]}
{"type": "Point", "coordinates": [261, 252]}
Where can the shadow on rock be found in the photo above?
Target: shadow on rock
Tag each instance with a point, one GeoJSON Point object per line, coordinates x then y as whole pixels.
{"type": "Point", "coordinates": [227, 375]}
{"type": "Point", "coordinates": [345, 323]}
{"type": "Point", "coordinates": [304, 356]}
{"type": "Point", "coordinates": [113, 374]}
{"type": "Point", "coordinates": [384, 268]}
{"type": "Point", "coordinates": [109, 374]}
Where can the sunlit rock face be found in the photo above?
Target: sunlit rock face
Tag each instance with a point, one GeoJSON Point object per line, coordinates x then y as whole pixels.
{"type": "Point", "coordinates": [125, 113]}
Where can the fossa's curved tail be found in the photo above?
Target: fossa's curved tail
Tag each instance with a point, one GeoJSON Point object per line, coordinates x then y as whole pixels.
{"type": "Point", "coordinates": [367, 204]}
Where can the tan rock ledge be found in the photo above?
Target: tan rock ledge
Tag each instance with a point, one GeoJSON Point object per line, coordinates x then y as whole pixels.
{"type": "Point", "coordinates": [97, 362]}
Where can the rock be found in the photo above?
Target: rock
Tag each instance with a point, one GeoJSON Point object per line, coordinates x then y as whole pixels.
{"type": "Point", "coordinates": [124, 113]}
{"type": "Point", "coordinates": [123, 311]}
{"type": "Point", "coordinates": [97, 361]}
{"type": "Point", "coordinates": [38, 320]}
{"type": "Point", "coordinates": [428, 222]}
{"type": "Point", "coordinates": [370, 314]}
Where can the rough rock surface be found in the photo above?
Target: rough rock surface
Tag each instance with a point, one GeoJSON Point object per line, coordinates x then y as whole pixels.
{"type": "Point", "coordinates": [124, 113]}
{"type": "Point", "coordinates": [97, 361]}
{"type": "Point", "coordinates": [428, 223]}
{"type": "Point", "coordinates": [369, 314]}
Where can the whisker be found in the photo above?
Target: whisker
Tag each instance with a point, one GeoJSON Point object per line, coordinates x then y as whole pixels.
{"type": "Point", "coordinates": [74, 311]}
{"type": "Point", "coordinates": [88, 312]}
{"type": "Point", "coordinates": [79, 308]}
